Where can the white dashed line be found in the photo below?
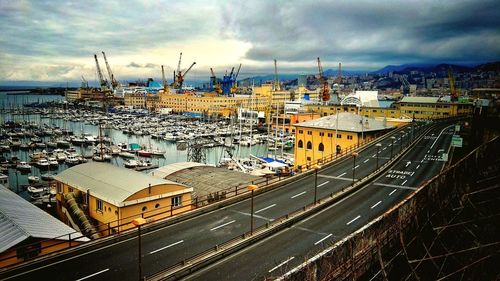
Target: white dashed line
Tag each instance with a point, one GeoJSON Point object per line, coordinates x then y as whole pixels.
{"type": "Point", "coordinates": [166, 247]}
{"type": "Point", "coordinates": [341, 175]}
{"type": "Point", "coordinates": [91, 275]}
{"type": "Point", "coordinates": [222, 225]}
{"type": "Point", "coordinates": [281, 264]}
{"type": "Point", "coordinates": [323, 239]}
{"type": "Point", "coordinates": [355, 167]}
{"type": "Point", "coordinates": [321, 184]}
{"type": "Point", "coordinates": [297, 195]}
{"type": "Point", "coordinates": [392, 192]}
{"type": "Point", "coordinates": [374, 155]}
{"type": "Point", "coordinates": [404, 182]}
{"type": "Point", "coordinates": [353, 220]}
{"type": "Point", "coordinates": [376, 204]}
{"type": "Point", "coordinates": [263, 209]}
{"type": "Point", "coordinates": [418, 166]}
{"type": "Point", "coordinates": [366, 160]}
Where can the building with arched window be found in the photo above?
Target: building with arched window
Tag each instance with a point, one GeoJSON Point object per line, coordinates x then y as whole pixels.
{"type": "Point", "coordinates": [326, 136]}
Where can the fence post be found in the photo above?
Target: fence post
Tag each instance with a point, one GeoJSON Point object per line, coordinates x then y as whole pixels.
{"type": "Point", "coordinates": [69, 239]}
{"type": "Point", "coordinates": [109, 229]}
{"type": "Point", "coordinates": [235, 190]}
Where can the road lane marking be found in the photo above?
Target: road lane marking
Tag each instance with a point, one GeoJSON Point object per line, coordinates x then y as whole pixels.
{"type": "Point", "coordinates": [323, 239]}
{"type": "Point", "coordinates": [263, 209]}
{"type": "Point", "coordinates": [254, 215]}
{"type": "Point", "coordinates": [422, 161]}
{"type": "Point", "coordinates": [395, 186]}
{"type": "Point", "coordinates": [351, 221]}
{"type": "Point", "coordinates": [440, 135]}
{"type": "Point", "coordinates": [297, 195]}
{"type": "Point", "coordinates": [341, 175]}
{"type": "Point", "coordinates": [222, 225]}
{"type": "Point", "coordinates": [355, 167]}
{"type": "Point", "coordinates": [404, 182]}
{"type": "Point", "coordinates": [337, 178]}
{"type": "Point", "coordinates": [166, 247]}
{"type": "Point", "coordinates": [392, 192]}
{"type": "Point", "coordinates": [418, 166]}
{"type": "Point", "coordinates": [281, 264]}
{"type": "Point", "coordinates": [321, 184]}
{"type": "Point", "coordinates": [92, 275]}
{"type": "Point", "coordinates": [376, 204]}
{"type": "Point", "coordinates": [366, 160]}
{"type": "Point", "coordinates": [408, 164]}
{"type": "Point", "coordinates": [385, 148]}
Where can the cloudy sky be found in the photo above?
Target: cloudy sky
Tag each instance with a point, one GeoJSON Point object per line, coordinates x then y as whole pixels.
{"type": "Point", "coordinates": [55, 40]}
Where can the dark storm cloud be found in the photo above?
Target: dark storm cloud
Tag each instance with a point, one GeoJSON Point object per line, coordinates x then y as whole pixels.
{"type": "Point", "coordinates": [371, 31]}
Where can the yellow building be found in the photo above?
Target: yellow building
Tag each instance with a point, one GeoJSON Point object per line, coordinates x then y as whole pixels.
{"type": "Point", "coordinates": [28, 232]}
{"type": "Point", "coordinates": [114, 196]}
{"type": "Point", "coordinates": [317, 140]}
{"type": "Point", "coordinates": [432, 108]}
{"type": "Point", "coordinates": [136, 100]}
{"type": "Point", "coordinates": [288, 124]}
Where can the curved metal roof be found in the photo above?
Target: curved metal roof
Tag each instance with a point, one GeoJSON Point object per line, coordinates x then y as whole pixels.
{"type": "Point", "coordinates": [108, 182]}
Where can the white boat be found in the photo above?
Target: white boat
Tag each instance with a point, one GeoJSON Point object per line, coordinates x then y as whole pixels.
{"type": "Point", "coordinates": [101, 158]}
{"type": "Point", "coordinates": [42, 163]}
{"type": "Point", "coordinates": [126, 154]}
{"type": "Point", "coordinates": [37, 190]}
{"type": "Point", "coordinates": [71, 160]}
{"type": "Point", "coordinates": [61, 156]}
{"type": "Point", "coordinates": [53, 161]}
{"type": "Point", "coordinates": [23, 166]}
{"type": "Point", "coordinates": [131, 163]}
{"type": "Point", "coordinates": [33, 179]}
{"type": "Point", "coordinates": [158, 152]}
{"type": "Point", "coordinates": [47, 177]}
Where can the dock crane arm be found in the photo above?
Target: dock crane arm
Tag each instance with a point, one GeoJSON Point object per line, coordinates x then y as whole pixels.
{"type": "Point", "coordinates": [237, 72]}
{"type": "Point", "coordinates": [103, 82]}
{"type": "Point", "coordinates": [185, 72]}
{"type": "Point", "coordinates": [114, 83]}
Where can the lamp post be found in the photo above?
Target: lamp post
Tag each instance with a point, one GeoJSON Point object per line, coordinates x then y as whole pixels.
{"type": "Point", "coordinates": [354, 155]}
{"type": "Point", "coordinates": [392, 144]}
{"type": "Point", "coordinates": [316, 167]}
{"type": "Point", "coordinates": [378, 145]}
{"type": "Point", "coordinates": [139, 222]}
{"type": "Point", "coordinates": [251, 188]}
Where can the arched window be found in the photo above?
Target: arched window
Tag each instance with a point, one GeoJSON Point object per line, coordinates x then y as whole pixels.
{"type": "Point", "coordinates": [309, 145]}
{"type": "Point", "coordinates": [321, 147]}
{"type": "Point", "coordinates": [144, 208]}
{"type": "Point", "coordinates": [301, 144]}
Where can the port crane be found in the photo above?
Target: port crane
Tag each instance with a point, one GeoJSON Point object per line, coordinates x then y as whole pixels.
{"type": "Point", "coordinates": [234, 88]}
{"type": "Point", "coordinates": [324, 93]}
{"type": "Point", "coordinates": [451, 81]}
{"type": "Point", "coordinates": [276, 79]}
{"type": "Point", "coordinates": [102, 81]}
{"type": "Point", "coordinates": [164, 80]}
{"type": "Point", "coordinates": [214, 83]}
{"type": "Point", "coordinates": [85, 84]}
{"type": "Point", "coordinates": [179, 77]}
{"type": "Point", "coordinates": [114, 83]}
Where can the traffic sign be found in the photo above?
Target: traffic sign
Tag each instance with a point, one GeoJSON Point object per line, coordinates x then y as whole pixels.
{"type": "Point", "coordinates": [456, 141]}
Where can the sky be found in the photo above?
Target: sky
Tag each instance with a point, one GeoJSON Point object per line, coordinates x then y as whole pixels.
{"type": "Point", "coordinates": [56, 40]}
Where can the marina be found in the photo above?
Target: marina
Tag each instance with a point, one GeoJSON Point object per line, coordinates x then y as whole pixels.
{"type": "Point", "coordinates": [39, 142]}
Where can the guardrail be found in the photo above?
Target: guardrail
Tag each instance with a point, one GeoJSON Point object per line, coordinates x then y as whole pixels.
{"type": "Point", "coordinates": [212, 254]}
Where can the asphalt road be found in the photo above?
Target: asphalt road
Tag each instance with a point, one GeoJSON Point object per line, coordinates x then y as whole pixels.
{"type": "Point", "coordinates": [279, 253]}
{"type": "Point", "coordinates": [169, 245]}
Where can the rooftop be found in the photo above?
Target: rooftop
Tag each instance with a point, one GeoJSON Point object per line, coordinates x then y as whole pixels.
{"type": "Point", "coordinates": [204, 179]}
{"type": "Point", "coordinates": [347, 122]}
{"type": "Point", "coordinates": [19, 220]}
{"type": "Point", "coordinates": [108, 182]}
{"type": "Point", "coordinates": [421, 99]}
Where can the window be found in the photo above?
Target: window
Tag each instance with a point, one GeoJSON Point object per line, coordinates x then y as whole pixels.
{"type": "Point", "coordinates": [59, 188]}
{"type": "Point", "coordinates": [176, 201]}
{"type": "Point", "coordinates": [300, 132]}
{"type": "Point", "coordinates": [321, 134]}
{"type": "Point", "coordinates": [309, 145]}
{"type": "Point", "coordinates": [339, 136]}
{"type": "Point", "coordinates": [157, 206]}
{"type": "Point", "coordinates": [321, 147]}
{"type": "Point", "coordinates": [308, 158]}
{"type": "Point", "coordinates": [98, 204]}
{"type": "Point", "coordinates": [144, 208]}
{"type": "Point", "coordinates": [300, 144]}
{"type": "Point", "coordinates": [309, 132]}
{"type": "Point", "coordinates": [70, 189]}
{"type": "Point", "coordinates": [349, 137]}
{"type": "Point", "coordinates": [330, 135]}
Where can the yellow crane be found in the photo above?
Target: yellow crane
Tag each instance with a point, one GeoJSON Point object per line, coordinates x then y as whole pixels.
{"type": "Point", "coordinates": [324, 93]}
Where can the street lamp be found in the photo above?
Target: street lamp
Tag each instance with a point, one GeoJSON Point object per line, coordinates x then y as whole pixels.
{"type": "Point", "coordinates": [354, 155]}
{"type": "Point", "coordinates": [251, 188]}
{"type": "Point", "coordinates": [139, 222]}
{"type": "Point", "coordinates": [392, 144]}
{"type": "Point", "coordinates": [316, 167]}
{"type": "Point", "coordinates": [378, 145]}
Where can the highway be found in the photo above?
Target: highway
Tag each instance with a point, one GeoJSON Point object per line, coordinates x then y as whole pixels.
{"type": "Point", "coordinates": [166, 246]}
{"type": "Point", "coordinates": [279, 253]}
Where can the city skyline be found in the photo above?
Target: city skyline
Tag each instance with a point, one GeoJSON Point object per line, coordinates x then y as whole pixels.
{"type": "Point", "coordinates": [56, 40]}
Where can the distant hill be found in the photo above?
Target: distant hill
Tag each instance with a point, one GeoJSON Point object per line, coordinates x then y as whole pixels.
{"type": "Point", "coordinates": [427, 68]}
